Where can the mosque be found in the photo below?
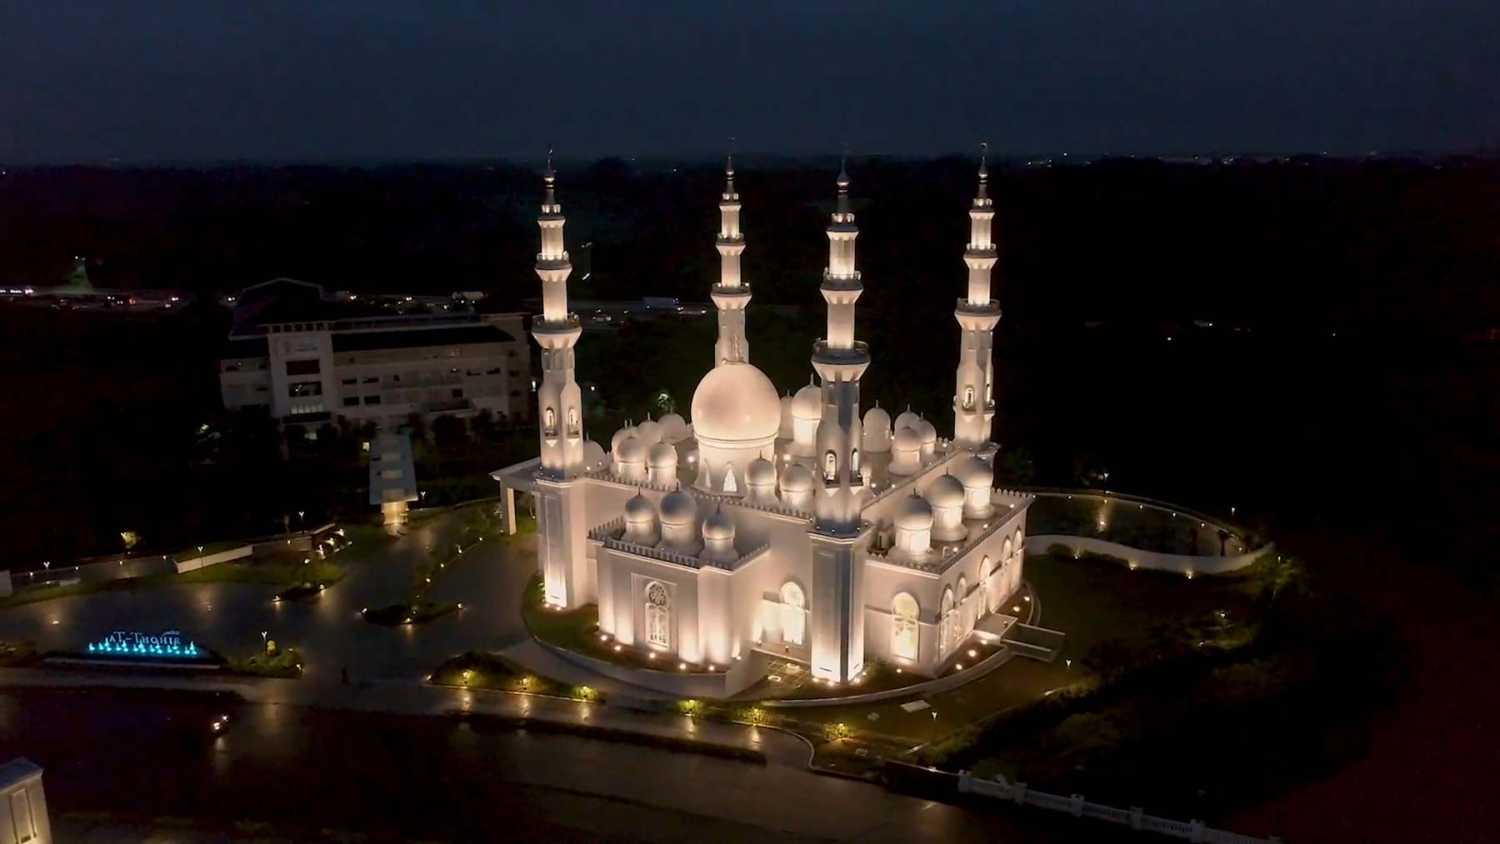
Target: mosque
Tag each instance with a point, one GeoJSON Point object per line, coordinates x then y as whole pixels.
{"type": "Point", "coordinates": [791, 527]}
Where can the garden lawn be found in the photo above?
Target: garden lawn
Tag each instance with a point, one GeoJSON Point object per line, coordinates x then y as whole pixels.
{"type": "Point", "coordinates": [1096, 601]}
{"type": "Point", "coordinates": [282, 570]}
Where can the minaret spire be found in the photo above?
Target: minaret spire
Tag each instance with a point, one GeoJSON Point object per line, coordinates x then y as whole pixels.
{"type": "Point", "coordinates": [731, 295]}
{"type": "Point", "coordinates": [977, 315]}
{"type": "Point", "coordinates": [560, 405]}
{"type": "Point", "coordinates": [840, 360]}
{"type": "Point", "coordinates": [839, 534]}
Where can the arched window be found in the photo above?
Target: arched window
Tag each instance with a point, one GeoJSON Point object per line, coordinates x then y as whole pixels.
{"type": "Point", "coordinates": [945, 622]}
{"type": "Point", "coordinates": [830, 466]}
{"type": "Point", "coordinates": [793, 614]}
{"type": "Point", "coordinates": [904, 629]}
{"type": "Point", "coordinates": [1006, 550]}
{"type": "Point", "coordinates": [1020, 543]}
{"type": "Point", "coordinates": [573, 421]}
{"type": "Point", "coordinates": [658, 616]}
{"type": "Point", "coordinates": [989, 392]}
{"type": "Point", "coordinates": [968, 398]}
{"type": "Point", "coordinates": [549, 420]}
{"type": "Point", "coordinates": [985, 571]}
{"type": "Point", "coordinates": [964, 613]}
{"type": "Point", "coordinates": [854, 460]}
{"type": "Point", "coordinates": [731, 486]}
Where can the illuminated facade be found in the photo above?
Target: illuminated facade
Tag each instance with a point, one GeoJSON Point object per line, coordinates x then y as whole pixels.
{"type": "Point", "coordinates": [794, 527]}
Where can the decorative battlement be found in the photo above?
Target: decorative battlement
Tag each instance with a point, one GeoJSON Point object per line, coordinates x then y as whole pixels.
{"type": "Point", "coordinates": [935, 562]}
{"type": "Point", "coordinates": [611, 532]}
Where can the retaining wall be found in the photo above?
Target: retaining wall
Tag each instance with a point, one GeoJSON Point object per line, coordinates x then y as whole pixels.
{"type": "Point", "coordinates": [740, 675]}
{"type": "Point", "coordinates": [213, 559]}
{"type": "Point", "coordinates": [1183, 564]}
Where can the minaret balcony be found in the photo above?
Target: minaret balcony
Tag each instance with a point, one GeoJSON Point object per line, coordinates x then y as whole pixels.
{"type": "Point", "coordinates": [851, 282]}
{"type": "Point", "coordinates": [552, 262]}
{"type": "Point", "coordinates": [986, 309]}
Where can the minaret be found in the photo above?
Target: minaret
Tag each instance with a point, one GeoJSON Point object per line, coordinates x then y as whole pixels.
{"type": "Point", "coordinates": [562, 553]}
{"type": "Point", "coordinates": [730, 295]}
{"type": "Point", "coordinates": [977, 315]}
{"type": "Point", "coordinates": [838, 532]}
{"type": "Point", "coordinates": [556, 331]}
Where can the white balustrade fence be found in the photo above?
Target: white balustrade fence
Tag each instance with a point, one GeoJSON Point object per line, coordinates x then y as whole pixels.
{"type": "Point", "coordinates": [1078, 807]}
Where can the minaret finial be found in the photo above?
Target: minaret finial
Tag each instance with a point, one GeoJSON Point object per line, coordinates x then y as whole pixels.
{"type": "Point", "coordinates": [984, 170]}
{"type": "Point", "coordinates": [549, 178]}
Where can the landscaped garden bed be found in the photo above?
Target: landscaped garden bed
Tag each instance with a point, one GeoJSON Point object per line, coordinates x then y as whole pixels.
{"type": "Point", "coordinates": [481, 670]}
{"type": "Point", "coordinates": [421, 612]}
{"type": "Point", "coordinates": [284, 663]}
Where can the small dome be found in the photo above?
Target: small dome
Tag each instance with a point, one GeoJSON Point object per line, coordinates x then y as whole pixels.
{"type": "Point", "coordinates": [973, 471]}
{"type": "Point", "coordinates": [926, 431]}
{"type": "Point", "coordinates": [760, 472]}
{"type": "Point", "coordinates": [640, 509]}
{"type": "Point", "coordinates": [593, 455]}
{"type": "Point", "coordinates": [631, 450]}
{"type": "Point", "coordinates": [648, 432]}
{"type": "Point", "coordinates": [914, 513]}
{"type": "Point", "coordinates": [946, 491]}
{"type": "Point", "coordinates": [875, 433]}
{"type": "Point", "coordinates": [907, 419]}
{"type": "Point", "coordinates": [906, 439]}
{"type": "Point", "coordinates": [678, 508]}
{"type": "Point", "coordinates": [619, 437]}
{"type": "Point", "coordinates": [796, 478]}
{"type": "Point", "coordinates": [736, 402]}
{"type": "Point", "coordinates": [662, 454]}
{"type": "Point", "coordinates": [808, 403]}
{"type": "Point", "coordinates": [718, 526]}
{"type": "Point", "coordinates": [673, 426]}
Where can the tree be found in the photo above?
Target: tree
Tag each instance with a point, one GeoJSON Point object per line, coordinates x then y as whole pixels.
{"type": "Point", "coordinates": [1016, 466]}
{"type": "Point", "coordinates": [449, 432]}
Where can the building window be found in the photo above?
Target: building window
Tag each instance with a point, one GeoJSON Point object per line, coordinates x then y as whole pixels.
{"type": "Point", "coordinates": [302, 367]}
{"type": "Point", "coordinates": [658, 616]}
{"type": "Point", "coordinates": [904, 629]}
{"type": "Point", "coordinates": [854, 460]}
{"type": "Point", "coordinates": [305, 388]}
{"type": "Point", "coordinates": [965, 623]}
{"type": "Point", "coordinates": [458, 393]}
{"type": "Point", "coordinates": [968, 398]}
{"type": "Point", "coordinates": [573, 429]}
{"type": "Point", "coordinates": [945, 623]}
{"type": "Point", "coordinates": [830, 466]}
{"type": "Point", "coordinates": [351, 401]}
{"type": "Point", "coordinates": [495, 370]}
{"type": "Point", "coordinates": [984, 581]}
{"type": "Point", "coordinates": [549, 422]}
{"type": "Point", "coordinates": [793, 614]}
{"type": "Point", "coordinates": [372, 399]}
{"type": "Point", "coordinates": [373, 380]}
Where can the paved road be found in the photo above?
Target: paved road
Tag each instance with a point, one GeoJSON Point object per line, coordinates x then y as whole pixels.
{"type": "Point", "coordinates": [112, 757]}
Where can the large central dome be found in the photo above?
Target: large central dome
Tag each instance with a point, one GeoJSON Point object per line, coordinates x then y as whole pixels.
{"type": "Point", "coordinates": [734, 403]}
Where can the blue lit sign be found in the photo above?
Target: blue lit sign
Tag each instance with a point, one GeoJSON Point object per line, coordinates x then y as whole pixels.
{"type": "Point", "coordinates": [168, 645]}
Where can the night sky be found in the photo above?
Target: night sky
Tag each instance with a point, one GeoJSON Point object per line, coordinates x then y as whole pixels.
{"type": "Point", "coordinates": [387, 79]}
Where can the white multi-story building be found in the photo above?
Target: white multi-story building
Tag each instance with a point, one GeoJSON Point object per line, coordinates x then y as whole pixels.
{"type": "Point", "coordinates": [797, 528]}
{"type": "Point", "coordinates": [292, 353]}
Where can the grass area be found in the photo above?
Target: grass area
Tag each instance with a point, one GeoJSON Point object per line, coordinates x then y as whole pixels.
{"type": "Point", "coordinates": [1099, 601]}
{"type": "Point", "coordinates": [17, 653]}
{"type": "Point", "coordinates": [481, 670]}
{"type": "Point", "coordinates": [284, 663]}
{"type": "Point", "coordinates": [1289, 692]}
{"type": "Point", "coordinates": [394, 615]}
{"type": "Point", "coordinates": [281, 570]}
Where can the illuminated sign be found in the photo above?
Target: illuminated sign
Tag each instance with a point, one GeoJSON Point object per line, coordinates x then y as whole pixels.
{"type": "Point", "coordinates": [168, 644]}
